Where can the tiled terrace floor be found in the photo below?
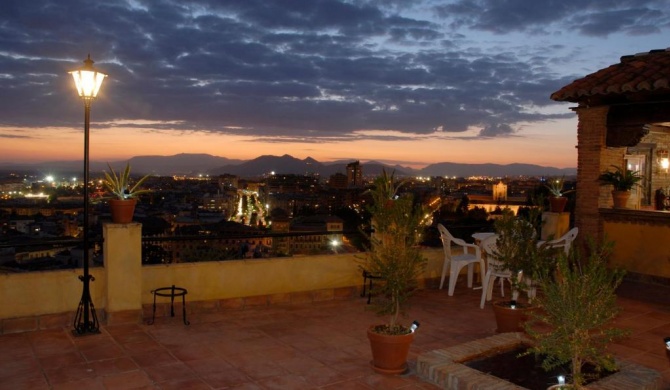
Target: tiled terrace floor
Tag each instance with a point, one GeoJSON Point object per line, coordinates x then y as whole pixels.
{"type": "Point", "coordinates": [304, 346]}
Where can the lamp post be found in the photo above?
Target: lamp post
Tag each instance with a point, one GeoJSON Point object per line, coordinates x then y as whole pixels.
{"type": "Point", "coordinates": [88, 81]}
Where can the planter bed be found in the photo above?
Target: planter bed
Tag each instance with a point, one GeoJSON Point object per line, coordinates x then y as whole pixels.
{"type": "Point", "coordinates": [444, 368]}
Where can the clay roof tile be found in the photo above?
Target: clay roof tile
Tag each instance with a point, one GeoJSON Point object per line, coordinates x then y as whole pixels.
{"type": "Point", "coordinates": [640, 72]}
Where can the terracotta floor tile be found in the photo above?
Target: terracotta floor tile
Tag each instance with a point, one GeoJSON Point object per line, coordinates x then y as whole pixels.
{"type": "Point", "coordinates": [168, 372]}
{"type": "Point", "coordinates": [103, 352]}
{"type": "Point", "coordinates": [307, 345]}
{"type": "Point", "coordinates": [347, 385]}
{"type": "Point", "coordinates": [63, 359]}
{"type": "Point", "coordinates": [135, 336]}
{"type": "Point", "coordinates": [261, 370]}
{"type": "Point", "coordinates": [18, 366]}
{"type": "Point", "coordinates": [322, 376]}
{"type": "Point", "coordinates": [185, 384]}
{"type": "Point", "coordinates": [284, 382]}
{"type": "Point", "coordinates": [226, 378]}
{"type": "Point", "coordinates": [113, 366]}
{"type": "Point", "coordinates": [193, 352]}
{"type": "Point", "coordinates": [88, 384]}
{"type": "Point", "coordinates": [208, 365]}
{"type": "Point", "coordinates": [299, 364]}
{"type": "Point", "coordinates": [142, 347]}
{"type": "Point", "coordinates": [154, 359]}
{"type": "Point", "coordinates": [653, 361]}
{"type": "Point", "coordinates": [32, 381]}
{"type": "Point", "coordinates": [69, 373]}
{"type": "Point", "coordinates": [247, 386]}
{"type": "Point", "coordinates": [126, 380]}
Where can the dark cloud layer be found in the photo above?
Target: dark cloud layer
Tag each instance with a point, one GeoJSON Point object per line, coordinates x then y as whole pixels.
{"type": "Point", "coordinates": [294, 69]}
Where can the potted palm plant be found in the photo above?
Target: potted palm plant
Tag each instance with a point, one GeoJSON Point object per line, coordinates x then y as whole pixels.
{"type": "Point", "coordinates": [123, 193]}
{"type": "Point", "coordinates": [578, 303]}
{"type": "Point", "coordinates": [622, 181]}
{"type": "Point", "coordinates": [557, 199]}
{"type": "Point", "coordinates": [396, 259]}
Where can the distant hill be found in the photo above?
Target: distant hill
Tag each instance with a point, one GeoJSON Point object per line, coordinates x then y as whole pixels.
{"type": "Point", "coordinates": [194, 164]}
{"type": "Point", "coordinates": [184, 163]}
{"type": "Point", "coordinates": [465, 170]}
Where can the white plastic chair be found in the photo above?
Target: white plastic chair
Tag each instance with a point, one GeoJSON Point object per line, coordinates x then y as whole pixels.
{"type": "Point", "coordinates": [494, 271]}
{"type": "Point", "coordinates": [457, 261]}
{"type": "Point", "coordinates": [565, 241]}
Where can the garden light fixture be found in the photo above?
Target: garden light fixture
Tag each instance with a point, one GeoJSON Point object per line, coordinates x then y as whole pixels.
{"type": "Point", "coordinates": [88, 81]}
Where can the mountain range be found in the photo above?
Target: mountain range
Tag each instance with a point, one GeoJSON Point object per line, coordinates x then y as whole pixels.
{"type": "Point", "coordinates": [193, 164]}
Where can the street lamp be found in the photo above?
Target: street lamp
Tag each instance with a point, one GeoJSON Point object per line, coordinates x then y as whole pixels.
{"type": "Point", "coordinates": [88, 81]}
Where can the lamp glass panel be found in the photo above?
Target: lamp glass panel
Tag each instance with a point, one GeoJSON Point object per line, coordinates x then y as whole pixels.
{"type": "Point", "coordinates": [88, 82]}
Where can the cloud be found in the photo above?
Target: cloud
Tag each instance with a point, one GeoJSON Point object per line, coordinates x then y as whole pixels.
{"type": "Point", "coordinates": [590, 17]}
{"type": "Point", "coordinates": [294, 71]}
{"type": "Point", "coordinates": [496, 130]}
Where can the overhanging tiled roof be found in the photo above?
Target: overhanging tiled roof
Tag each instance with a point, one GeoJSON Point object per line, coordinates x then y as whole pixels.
{"type": "Point", "coordinates": [644, 72]}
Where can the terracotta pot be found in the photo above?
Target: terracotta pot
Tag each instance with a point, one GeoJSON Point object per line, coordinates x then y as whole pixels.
{"type": "Point", "coordinates": [620, 198]}
{"type": "Point", "coordinates": [389, 353]}
{"type": "Point", "coordinates": [122, 210]}
{"type": "Point", "coordinates": [557, 203]}
{"type": "Point", "coordinates": [508, 319]}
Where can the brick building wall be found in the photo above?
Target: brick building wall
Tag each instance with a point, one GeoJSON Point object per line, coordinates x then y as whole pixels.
{"type": "Point", "coordinates": [591, 131]}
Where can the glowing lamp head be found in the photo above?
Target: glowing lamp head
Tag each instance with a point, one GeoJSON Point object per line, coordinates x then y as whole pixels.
{"type": "Point", "coordinates": [88, 80]}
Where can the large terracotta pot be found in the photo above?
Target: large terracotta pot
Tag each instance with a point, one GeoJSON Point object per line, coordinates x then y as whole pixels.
{"type": "Point", "coordinates": [508, 319]}
{"type": "Point", "coordinates": [557, 203]}
{"type": "Point", "coordinates": [389, 353]}
{"type": "Point", "coordinates": [620, 199]}
{"type": "Point", "coordinates": [122, 210]}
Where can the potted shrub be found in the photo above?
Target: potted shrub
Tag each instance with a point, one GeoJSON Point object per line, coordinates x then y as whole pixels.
{"type": "Point", "coordinates": [557, 199]}
{"type": "Point", "coordinates": [518, 252]}
{"type": "Point", "coordinates": [578, 303]}
{"type": "Point", "coordinates": [122, 206]}
{"type": "Point", "coordinates": [396, 260]}
{"type": "Point", "coordinates": [622, 181]}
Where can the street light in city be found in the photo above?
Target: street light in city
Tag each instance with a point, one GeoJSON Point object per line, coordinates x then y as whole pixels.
{"type": "Point", "coordinates": [88, 82]}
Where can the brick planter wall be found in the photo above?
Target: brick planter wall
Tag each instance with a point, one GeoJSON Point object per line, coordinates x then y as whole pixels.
{"type": "Point", "coordinates": [444, 368]}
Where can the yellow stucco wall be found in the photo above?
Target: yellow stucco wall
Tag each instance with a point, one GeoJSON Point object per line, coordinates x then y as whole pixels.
{"type": "Point", "coordinates": [246, 278]}
{"type": "Point", "coordinates": [640, 248]}
{"type": "Point", "coordinates": [47, 292]}
{"type": "Point", "coordinates": [39, 293]}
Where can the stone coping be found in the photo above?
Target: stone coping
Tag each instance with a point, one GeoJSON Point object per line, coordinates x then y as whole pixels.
{"type": "Point", "coordinates": [443, 368]}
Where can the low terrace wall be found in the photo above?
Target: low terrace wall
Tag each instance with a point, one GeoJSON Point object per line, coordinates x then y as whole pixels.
{"type": "Point", "coordinates": [121, 291]}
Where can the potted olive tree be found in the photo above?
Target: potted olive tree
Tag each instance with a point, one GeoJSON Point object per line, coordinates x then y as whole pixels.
{"type": "Point", "coordinates": [122, 206]}
{"type": "Point", "coordinates": [622, 181]}
{"type": "Point", "coordinates": [396, 260]}
{"type": "Point", "coordinates": [578, 303]}
{"type": "Point", "coordinates": [518, 252]}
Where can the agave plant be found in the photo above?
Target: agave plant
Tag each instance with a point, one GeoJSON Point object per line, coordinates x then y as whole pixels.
{"type": "Point", "coordinates": [555, 187]}
{"type": "Point", "coordinates": [119, 185]}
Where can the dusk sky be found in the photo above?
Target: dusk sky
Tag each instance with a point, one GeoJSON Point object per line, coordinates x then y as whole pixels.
{"type": "Point", "coordinates": [411, 82]}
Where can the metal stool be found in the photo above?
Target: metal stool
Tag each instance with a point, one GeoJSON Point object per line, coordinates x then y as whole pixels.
{"type": "Point", "coordinates": [367, 279]}
{"type": "Point", "coordinates": [171, 292]}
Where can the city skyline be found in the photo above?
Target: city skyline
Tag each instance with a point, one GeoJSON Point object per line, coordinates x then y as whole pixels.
{"type": "Point", "coordinates": [463, 81]}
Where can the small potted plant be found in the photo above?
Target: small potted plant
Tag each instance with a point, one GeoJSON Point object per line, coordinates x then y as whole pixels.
{"type": "Point", "coordinates": [622, 180]}
{"type": "Point", "coordinates": [578, 303]}
{"type": "Point", "coordinates": [557, 200]}
{"type": "Point", "coordinates": [122, 206]}
{"type": "Point", "coordinates": [396, 260]}
{"type": "Point", "coordinates": [518, 252]}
